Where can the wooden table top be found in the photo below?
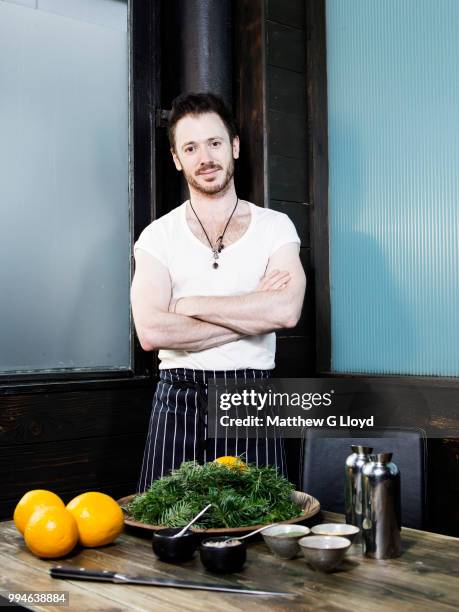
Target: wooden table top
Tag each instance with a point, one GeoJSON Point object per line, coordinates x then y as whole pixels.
{"type": "Point", "coordinates": [425, 577]}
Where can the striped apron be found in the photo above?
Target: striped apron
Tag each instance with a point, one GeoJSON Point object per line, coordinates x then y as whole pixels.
{"type": "Point", "coordinates": [178, 427]}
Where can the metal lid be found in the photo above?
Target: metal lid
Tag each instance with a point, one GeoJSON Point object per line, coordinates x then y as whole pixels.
{"type": "Point", "coordinates": [362, 450]}
{"type": "Point", "coordinates": [382, 457]}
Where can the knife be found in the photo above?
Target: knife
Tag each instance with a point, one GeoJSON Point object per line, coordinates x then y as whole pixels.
{"type": "Point", "coordinates": [82, 573]}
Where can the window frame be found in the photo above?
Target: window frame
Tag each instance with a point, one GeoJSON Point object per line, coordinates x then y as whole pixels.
{"type": "Point", "coordinates": [318, 181]}
{"type": "Point", "coordinates": [143, 97]}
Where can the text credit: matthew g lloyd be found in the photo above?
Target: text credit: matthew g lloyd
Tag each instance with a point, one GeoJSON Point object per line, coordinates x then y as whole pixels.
{"type": "Point", "coordinates": [252, 399]}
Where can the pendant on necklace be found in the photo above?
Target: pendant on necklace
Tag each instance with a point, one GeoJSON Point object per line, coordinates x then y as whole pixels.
{"type": "Point", "coordinates": [215, 253]}
{"type": "Point", "coordinates": [219, 244]}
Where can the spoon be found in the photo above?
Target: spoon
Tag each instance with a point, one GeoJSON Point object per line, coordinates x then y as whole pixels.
{"type": "Point", "coordinates": [252, 532]}
{"type": "Point", "coordinates": [180, 533]}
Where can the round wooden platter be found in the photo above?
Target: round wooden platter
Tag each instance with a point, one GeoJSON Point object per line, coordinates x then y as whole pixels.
{"type": "Point", "coordinates": [308, 505]}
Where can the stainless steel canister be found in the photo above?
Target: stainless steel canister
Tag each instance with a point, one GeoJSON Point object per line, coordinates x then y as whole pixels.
{"type": "Point", "coordinates": [382, 512]}
{"type": "Point", "coordinates": [353, 495]}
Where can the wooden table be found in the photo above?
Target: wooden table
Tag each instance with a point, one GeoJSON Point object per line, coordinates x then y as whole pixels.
{"type": "Point", "coordinates": [425, 577]}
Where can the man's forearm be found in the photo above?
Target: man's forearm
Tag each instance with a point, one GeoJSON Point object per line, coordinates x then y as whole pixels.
{"type": "Point", "coordinates": [176, 331]}
{"type": "Point", "coordinates": [250, 314]}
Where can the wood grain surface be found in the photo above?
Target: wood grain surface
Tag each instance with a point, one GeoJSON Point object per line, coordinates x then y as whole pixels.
{"type": "Point", "coordinates": [425, 577]}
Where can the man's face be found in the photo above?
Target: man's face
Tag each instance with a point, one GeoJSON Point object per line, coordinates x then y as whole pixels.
{"type": "Point", "coordinates": [204, 153]}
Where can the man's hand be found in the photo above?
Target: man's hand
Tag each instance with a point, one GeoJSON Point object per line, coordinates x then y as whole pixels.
{"type": "Point", "coordinates": [173, 305]}
{"type": "Point", "coordinates": [275, 303]}
{"type": "Point", "coordinates": [274, 280]}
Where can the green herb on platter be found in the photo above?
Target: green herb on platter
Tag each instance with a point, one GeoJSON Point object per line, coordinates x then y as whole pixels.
{"type": "Point", "coordinates": [239, 497]}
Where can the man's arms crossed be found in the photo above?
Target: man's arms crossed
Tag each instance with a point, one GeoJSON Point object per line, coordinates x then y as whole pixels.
{"type": "Point", "coordinates": [156, 327]}
{"type": "Point", "coordinates": [204, 322]}
{"type": "Point", "coordinates": [262, 310]}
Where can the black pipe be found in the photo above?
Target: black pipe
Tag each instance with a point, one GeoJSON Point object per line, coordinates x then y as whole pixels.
{"type": "Point", "coordinates": [204, 36]}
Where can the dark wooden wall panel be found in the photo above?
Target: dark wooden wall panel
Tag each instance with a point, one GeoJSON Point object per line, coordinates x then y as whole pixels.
{"type": "Point", "coordinates": [287, 135]}
{"type": "Point", "coordinates": [286, 91]}
{"type": "Point", "coordinates": [288, 179]}
{"type": "Point", "coordinates": [71, 465]}
{"type": "Point", "coordinates": [316, 54]}
{"type": "Point", "coordinates": [286, 105]}
{"type": "Point", "coordinates": [290, 12]}
{"type": "Point", "coordinates": [294, 357]}
{"type": "Point", "coordinates": [286, 47]}
{"type": "Point", "coordinates": [70, 442]}
{"type": "Point", "coordinates": [249, 98]}
{"type": "Point", "coordinates": [443, 492]}
{"type": "Point", "coordinates": [48, 417]}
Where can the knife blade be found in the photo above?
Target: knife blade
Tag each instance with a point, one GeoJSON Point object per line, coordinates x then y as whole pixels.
{"type": "Point", "coordinates": [82, 573]}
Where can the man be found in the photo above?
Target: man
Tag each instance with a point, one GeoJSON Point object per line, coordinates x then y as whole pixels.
{"type": "Point", "coordinates": [214, 278]}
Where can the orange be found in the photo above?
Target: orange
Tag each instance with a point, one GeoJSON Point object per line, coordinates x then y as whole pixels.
{"type": "Point", "coordinates": [99, 518]}
{"type": "Point", "coordinates": [233, 463]}
{"type": "Point", "coordinates": [51, 532]}
{"type": "Point", "coordinates": [38, 498]}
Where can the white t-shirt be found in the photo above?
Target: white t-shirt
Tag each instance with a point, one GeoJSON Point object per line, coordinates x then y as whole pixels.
{"type": "Point", "coordinates": [241, 266]}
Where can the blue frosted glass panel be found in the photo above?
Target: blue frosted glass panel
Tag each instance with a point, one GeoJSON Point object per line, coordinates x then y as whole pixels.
{"type": "Point", "coordinates": [64, 207]}
{"type": "Point", "coordinates": [393, 120]}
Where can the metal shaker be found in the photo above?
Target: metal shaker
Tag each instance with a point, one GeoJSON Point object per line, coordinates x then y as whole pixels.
{"type": "Point", "coordinates": [382, 512]}
{"type": "Point", "coordinates": [353, 495]}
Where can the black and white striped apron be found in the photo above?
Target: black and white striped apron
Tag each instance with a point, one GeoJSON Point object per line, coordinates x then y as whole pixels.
{"type": "Point", "coordinates": [178, 427]}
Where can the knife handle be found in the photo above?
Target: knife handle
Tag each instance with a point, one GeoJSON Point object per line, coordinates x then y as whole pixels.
{"type": "Point", "coordinates": [81, 573]}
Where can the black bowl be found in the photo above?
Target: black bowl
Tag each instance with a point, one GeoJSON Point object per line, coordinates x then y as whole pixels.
{"type": "Point", "coordinates": [174, 550]}
{"type": "Point", "coordinates": [224, 560]}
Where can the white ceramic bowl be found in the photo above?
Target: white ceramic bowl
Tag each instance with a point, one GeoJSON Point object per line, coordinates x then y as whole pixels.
{"type": "Point", "coordinates": [324, 553]}
{"type": "Point", "coordinates": [336, 529]}
{"type": "Point", "coordinates": [282, 540]}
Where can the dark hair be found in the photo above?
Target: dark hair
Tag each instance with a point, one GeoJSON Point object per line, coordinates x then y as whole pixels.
{"type": "Point", "coordinates": [198, 104]}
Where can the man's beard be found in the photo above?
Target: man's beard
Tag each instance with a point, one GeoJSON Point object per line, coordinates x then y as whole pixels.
{"type": "Point", "coordinates": [215, 188]}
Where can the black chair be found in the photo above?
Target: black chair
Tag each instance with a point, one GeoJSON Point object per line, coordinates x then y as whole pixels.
{"type": "Point", "coordinates": [325, 454]}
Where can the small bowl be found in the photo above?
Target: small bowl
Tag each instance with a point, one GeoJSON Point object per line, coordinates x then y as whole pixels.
{"type": "Point", "coordinates": [324, 553]}
{"type": "Point", "coordinates": [282, 540]}
{"type": "Point", "coordinates": [174, 550]}
{"type": "Point", "coordinates": [224, 559]}
{"type": "Point", "coordinates": [336, 529]}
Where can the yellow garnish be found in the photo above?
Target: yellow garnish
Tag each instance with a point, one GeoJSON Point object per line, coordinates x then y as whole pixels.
{"type": "Point", "coordinates": [233, 463]}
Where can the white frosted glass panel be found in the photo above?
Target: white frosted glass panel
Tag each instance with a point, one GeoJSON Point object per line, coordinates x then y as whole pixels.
{"type": "Point", "coordinates": [393, 89]}
{"type": "Point", "coordinates": [108, 13]}
{"type": "Point", "coordinates": [64, 210]}
{"type": "Point", "coordinates": [29, 3]}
